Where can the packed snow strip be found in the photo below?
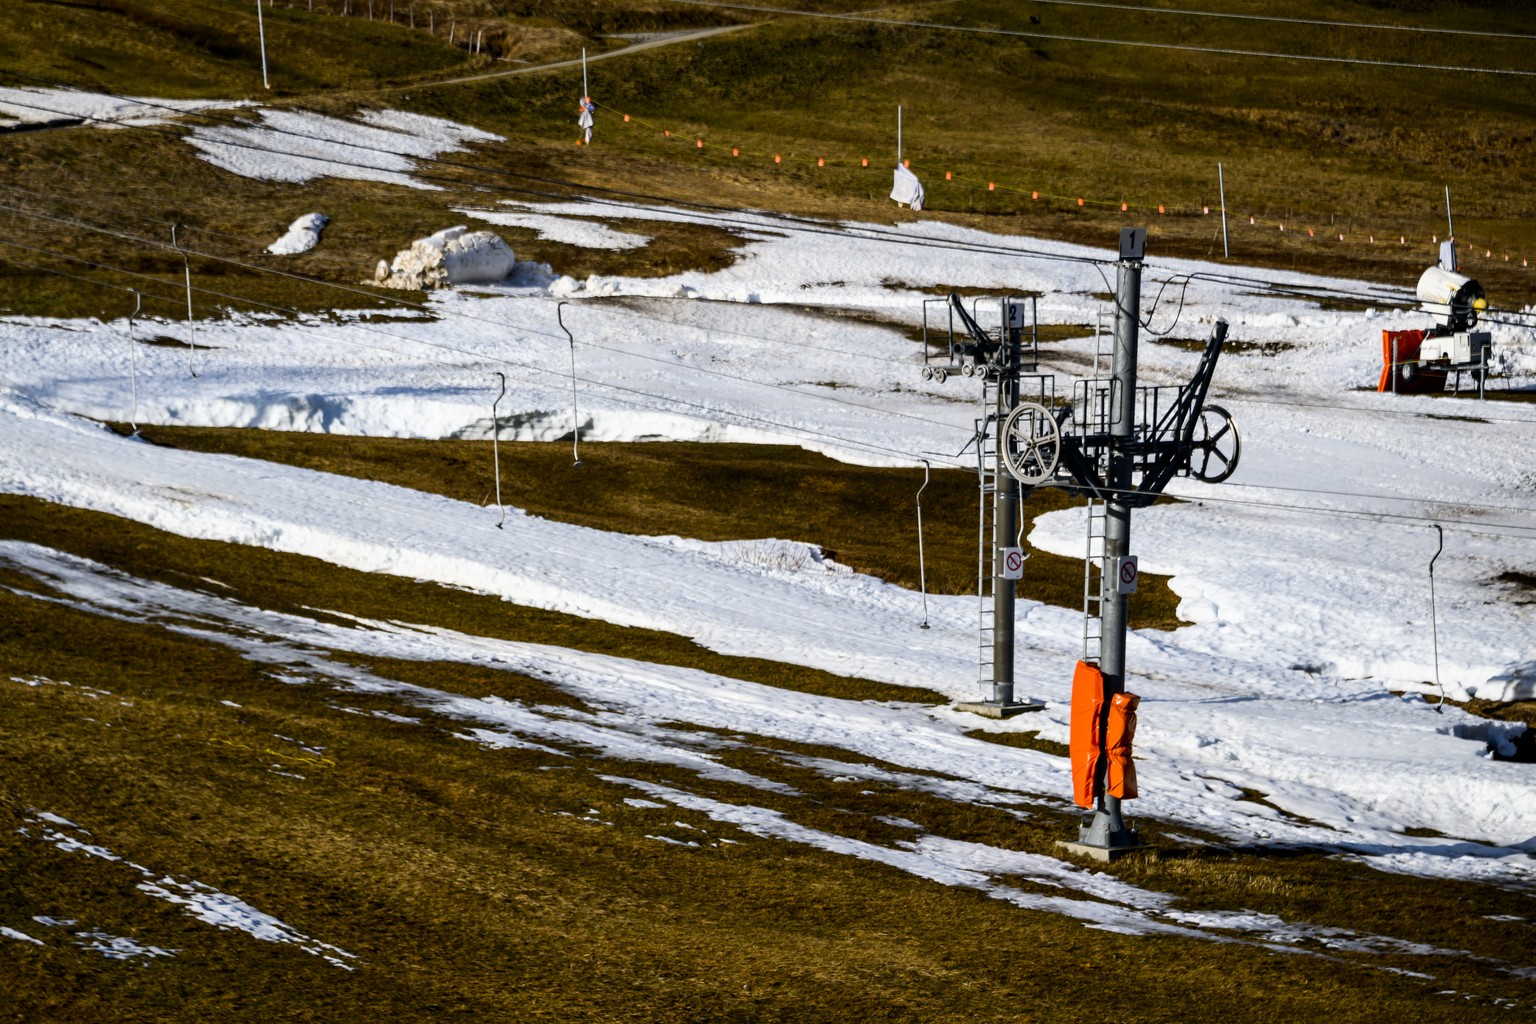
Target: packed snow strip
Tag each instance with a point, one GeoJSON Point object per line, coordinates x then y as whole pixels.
{"type": "Point", "coordinates": [297, 146]}
{"type": "Point", "coordinates": [1353, 793]}
{"type": "Point", "coordinates": [39, 106]}
{"type": "Point", "coordinates": [203, 902]}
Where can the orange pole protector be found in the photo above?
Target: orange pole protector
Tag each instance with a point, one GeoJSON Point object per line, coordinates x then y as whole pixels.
{"type": "Point", "coordinates": [1087, 703]}
{"type": "Point", "coordinates": [1120, 776]}
{"type": "Point", "coordinates": [991, 186]}
{"type": "Point", "coordinates": [863, 161]}
{"type": "Point", "coordinates": [1034, 195]}
{"type": "Point", "coordinates": [1159, 207]}
{"type": "Point", "coordinates": [906, 164]}
{"type": "Point", "coordinates": [699, 143]}
{"type": "Point", "coordinates": [820, 162]}
{"type": "Point", "coordinates": [735, 151]}
{"type": "Point", "coordinates": [1079, 200]}
{"type": "Point", "coordinates": [1124, 208]}
{"type": "Point", "coordinates": [776, 158]}
{"type": "Point", "coordinates": [946, 176]}
{"type": "Point", "coordinates": [626, 119]}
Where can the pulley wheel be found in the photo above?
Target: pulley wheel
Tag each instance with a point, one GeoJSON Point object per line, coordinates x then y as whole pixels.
{"type": "Point", "coordinates": [1031, 443]}
{"type": "Point", "coordinates": [1216, 448]}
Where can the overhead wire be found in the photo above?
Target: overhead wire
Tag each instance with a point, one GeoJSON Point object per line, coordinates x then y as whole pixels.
{"type": "Point", "coordinates": [850, 444]}
{"type": "Point", "coordinates": [1096, 40]}
{"type": "Point", "coordinates": [1268, 285]}
{"type": "Point", "coordinates": [749, 220]}
{"type": "Point", "coordinates": [1279, 19]}
{"type": "Point", "coordinates": [787, 429]}
{"type": "Point", "coordinates": [671, 364]}
{"type": "Point", "coordinates": [600, 383]}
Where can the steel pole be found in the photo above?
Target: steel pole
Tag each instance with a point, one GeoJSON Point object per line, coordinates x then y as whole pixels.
{"type": "Point", "coordinates": [1108, 827]}
{"type": "Point", "coordinates": [261, 32]}
{"type": "Point", "coordinates": [1221, 182]}
{"type": "Point", "coordinates": [1005, 527]}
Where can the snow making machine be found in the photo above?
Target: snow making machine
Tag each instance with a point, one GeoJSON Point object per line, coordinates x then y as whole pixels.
{"type": "Point", "coordinates": [1419, 361]}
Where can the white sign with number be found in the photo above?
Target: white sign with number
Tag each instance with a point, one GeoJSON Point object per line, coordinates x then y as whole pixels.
{"type": "Point", "coordinates": [1013, 563]}
{"type": "Point", "coordinates": [1126, 575]}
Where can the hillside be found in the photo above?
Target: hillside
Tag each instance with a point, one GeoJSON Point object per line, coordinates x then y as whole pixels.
{"type": "Point", "coordinates": [566, 647]}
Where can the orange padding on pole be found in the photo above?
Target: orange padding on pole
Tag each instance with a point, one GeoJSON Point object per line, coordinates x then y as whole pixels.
{"type": "Point", "coordinates": [1087, 703]}
{"type": "Point", "coordinates": [1120, 778]}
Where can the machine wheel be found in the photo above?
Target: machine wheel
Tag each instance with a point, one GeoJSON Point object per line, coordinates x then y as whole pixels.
{"type": "Point", "coordinates": [968, 369]}
{"type": "Point", "coordinates": [1216, 448]}
{"type": "Point", "coordinates": [927, 373]}
{"type": "Point", "coordinates": [1031, 441]}
{"type": "Point", "coordinates": [940, 375]}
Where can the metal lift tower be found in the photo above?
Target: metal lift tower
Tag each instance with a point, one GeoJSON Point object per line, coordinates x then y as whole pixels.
{"type": "Point", "coordinates": [1118, 445]}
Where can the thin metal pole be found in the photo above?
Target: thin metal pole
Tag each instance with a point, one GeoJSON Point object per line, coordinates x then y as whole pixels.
{"type": "Point", "coordinates": [1005, 518]}
{"type": "Point", "coordinates": [133, 361]}
{"type": "Point", "coordinates": [898, 134]}
{"type": "Point", "coordinates": [1221, 181]}
{"type": "Point", "coordinates": [261, 33]}
{"type": "Point", "coordinates": [1450, 229]}
{"type": "Point", "coordinates": [496, 446]}
{"type": "Point", "coordinates": [1434, 624]}
{"type": "Point", "coordinates": [575, 415]}
{"type": "Point", "coordinates": [1108, 827]}
{"type": "Point", "coordinates": [186, 266]}
{"type": "Point", "coordinates": [585, 92]}
{"type": "Point", "coordinates": [922, 571]}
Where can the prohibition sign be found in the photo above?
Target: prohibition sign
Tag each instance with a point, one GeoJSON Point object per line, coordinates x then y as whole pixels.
{"type": "Point", "coordinates": [1125, 573]}
{"type": "Point", "coordinates": [1015, 561]}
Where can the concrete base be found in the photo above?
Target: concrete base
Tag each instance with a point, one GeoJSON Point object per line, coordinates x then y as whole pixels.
{"type": "Point", "coordinates": [997, 709]}
{"type": "Point", "coordinates": [1102, 854]}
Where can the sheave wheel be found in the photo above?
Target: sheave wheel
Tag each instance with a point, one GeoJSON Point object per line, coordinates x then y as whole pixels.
{"type": "Point", "coordinates": [1216, 449]}
{"type": "Point", "coordinates": [1031, 442]}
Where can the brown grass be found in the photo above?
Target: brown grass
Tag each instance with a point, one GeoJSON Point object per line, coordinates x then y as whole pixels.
{"type": "Point", "coordinates": [471, 883]}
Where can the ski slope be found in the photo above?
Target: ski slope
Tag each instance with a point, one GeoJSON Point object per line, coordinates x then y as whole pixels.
{"type": "Point", "coordinates": [1304, 577]}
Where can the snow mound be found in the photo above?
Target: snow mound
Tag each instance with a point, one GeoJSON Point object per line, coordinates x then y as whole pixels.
{"type": "Point", "coordinates": [303, 235]}
{"type": "Point", "coordinates": [454, 255]}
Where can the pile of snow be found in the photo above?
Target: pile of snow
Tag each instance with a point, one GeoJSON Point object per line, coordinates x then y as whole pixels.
{"type": "Point", "coordinates": [454, 255]}
{"type": "Point", "coordinates": [303, 235]}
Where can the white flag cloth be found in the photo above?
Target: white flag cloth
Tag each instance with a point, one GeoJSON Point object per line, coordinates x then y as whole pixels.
{"type": "Point", "coordinates": [907, 189]}
{"type": "Point", "coordinates": [585, 121]}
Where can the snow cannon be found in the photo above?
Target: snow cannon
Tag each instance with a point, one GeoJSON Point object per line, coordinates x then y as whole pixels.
{"type": "Point", "coordinates": [1418, 362]}
{"type": "Point", "coordinates": [1453, 300]}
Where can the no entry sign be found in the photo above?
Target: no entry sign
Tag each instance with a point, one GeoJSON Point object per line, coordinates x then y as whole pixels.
{"type": "Point", "coordinates": [1126, 575]}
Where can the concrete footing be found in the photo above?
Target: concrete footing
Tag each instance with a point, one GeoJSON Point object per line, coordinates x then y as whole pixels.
{"type": "Point", "coordinates": [1102, 854]}
{"type": "Point", "coordinates": [998, 709]}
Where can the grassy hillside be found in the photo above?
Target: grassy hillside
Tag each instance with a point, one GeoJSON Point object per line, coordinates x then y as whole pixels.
{"type": "Point", "coordinates": [525, 884]}
{"type": "Point", "coordinates": [1358, 150]}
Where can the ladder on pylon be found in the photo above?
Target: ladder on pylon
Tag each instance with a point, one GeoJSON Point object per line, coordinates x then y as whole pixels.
{"type": "Point", "coordinates": [986, 474]}
{"type": "Point", "coordinates": [1093, 581]}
